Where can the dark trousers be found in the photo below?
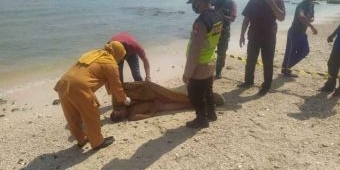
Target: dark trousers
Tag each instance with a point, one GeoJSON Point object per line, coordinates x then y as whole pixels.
{"type": "Point", "coordinates": [297, 48]}
{"type": "Point", "coordinates": [201, 96]}
{"type": "Point", "coordinates": [333, 68]}
{"type": "Point", "coordinates": [267, 48]}
{"type": "Point", "coordinates": [222, 47]}
{"type": "Point", "coordinates": [133, 62]}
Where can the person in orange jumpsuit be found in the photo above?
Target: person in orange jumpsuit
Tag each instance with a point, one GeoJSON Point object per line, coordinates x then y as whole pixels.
{"type": "Point", "coordinates": [76, 91]}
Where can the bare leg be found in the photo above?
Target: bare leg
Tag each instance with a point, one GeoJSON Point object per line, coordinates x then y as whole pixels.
{"type": "Point", "coordinates": [168, 106]}
{"type": "Point", "coordinates": [141, 111]}
{"type": "Point", "coordinates": [149, 109]}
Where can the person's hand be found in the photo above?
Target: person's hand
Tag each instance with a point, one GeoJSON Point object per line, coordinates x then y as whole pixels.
{"type": "Point", "coordinates": [185, 79]}
{"type": "Point", "coordinates": [242, 41]}
{"type": "Point", "coordinates": [330, 39]}
{"type": "Point", "coordinates": [148, 78]}
{"type": "Point", "coordinates": [127, 101]}
{"type": "Point", "coordinates": [314, 31]}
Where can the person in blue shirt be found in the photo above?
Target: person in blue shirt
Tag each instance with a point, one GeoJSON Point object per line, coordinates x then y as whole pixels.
{"type": "Point", "coordinates": [333, 64]}
{"type": "Point", "coordinates": [297, 46]}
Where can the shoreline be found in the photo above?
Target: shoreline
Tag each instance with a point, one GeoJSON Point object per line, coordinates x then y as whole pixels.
{"type": "Point", "coordinates": [292, 127]}
{"type": "Point", "coordinates": [175, 50]}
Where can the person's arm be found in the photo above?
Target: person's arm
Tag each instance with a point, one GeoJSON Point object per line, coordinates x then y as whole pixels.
{"type": "Point", "coordinates": [278, 8]}
{"type": "Point", "coordinates": [332, 36]}
{"type": "Point", "coordinates": [197, 40]}
{"type": "Point", "coordinates": [305, 20]}
{"type": "Point", "coordinates": [146, 63]}
{"type": "Point", "coordinates": [244, 27]}
{"type": "Point", "coordinates": [114, 86]}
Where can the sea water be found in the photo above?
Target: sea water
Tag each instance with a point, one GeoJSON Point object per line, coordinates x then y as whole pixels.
{"type": "Point", "coordinates": [38, 37]}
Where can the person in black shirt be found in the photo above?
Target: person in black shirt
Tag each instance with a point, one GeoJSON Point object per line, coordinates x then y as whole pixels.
{"type": "Point", "coordinates": [260, 16]}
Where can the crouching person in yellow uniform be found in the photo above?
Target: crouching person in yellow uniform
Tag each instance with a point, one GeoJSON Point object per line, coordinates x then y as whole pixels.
{"type": "Point", "coordinates": [76, 92]}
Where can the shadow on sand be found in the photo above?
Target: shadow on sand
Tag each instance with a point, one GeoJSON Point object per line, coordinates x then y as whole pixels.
{"type": "Point", "coordinates": [63, 159]}
{"type": "Point", "coordinates": [317, 106]}
{"type": "Point", "coordinates": [151, 151]}
{"type": "Point", "coordinates": [234, 99]}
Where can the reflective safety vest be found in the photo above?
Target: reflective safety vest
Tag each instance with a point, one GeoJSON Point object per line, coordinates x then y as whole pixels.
{"type": "Point", "coordinates": [207, 53]}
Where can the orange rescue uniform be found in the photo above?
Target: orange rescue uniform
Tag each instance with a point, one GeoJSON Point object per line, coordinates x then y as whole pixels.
{"type": "Point", "coordinates": [76, 91]}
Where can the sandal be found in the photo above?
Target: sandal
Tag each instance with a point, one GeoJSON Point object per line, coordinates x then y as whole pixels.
{"type": "Point", "coordinates": [82, 144]}
{"type": "Point", "coordinates": [107, 141]}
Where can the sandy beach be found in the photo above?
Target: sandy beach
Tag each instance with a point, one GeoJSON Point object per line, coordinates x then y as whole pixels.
{"type": "Point", "coordinates": [293, 127]}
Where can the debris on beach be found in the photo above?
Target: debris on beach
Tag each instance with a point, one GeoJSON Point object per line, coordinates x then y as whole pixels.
{"type": "Point", "coordinates": [3, 101]}
{"type": "Point", "coordinates": [15, 109]}
{"type": "Point", "coordinates": [56, 102]}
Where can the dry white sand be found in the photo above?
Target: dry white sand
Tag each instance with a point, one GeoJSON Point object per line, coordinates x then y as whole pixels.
{"type": "Point", "coordinates": [292, 127]}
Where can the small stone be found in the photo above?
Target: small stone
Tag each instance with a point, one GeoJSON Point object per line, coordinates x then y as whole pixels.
{"type": "Point", "coordinates": [196, 140]}
{"type": "Point", "coordinates": [146, 122]}
{"type": "Point", "coordinates": [21, 161]}
{"type": "Point", "coordinates": [14, 109]}
{"type": "Point", "coordinates": [4, 109]}
{"type": "Point", "coordinates": [2, 115]}
{"type": "Point", "coordinates": [30, 122]}
{"type": "Point", "coordinates": [135, 127]}
{"type": "Point", "coordinates": [172, 66]}
{"type": "Point", "coordinates": [229, 68]}
{"type": "Point", "coordinates": [56, 102]}
{"type": "Point", "coordinates": [3, 101]}
{"type": "Point", "coordinates": [277, 166]}
{"type": "Point", "coordinates": [324, 145]}
{"type": "Point", "coordinates": [251, 131]}
{"type": "Point", "coordinates": [169, 141]}
{"type": "Point", "coordinates": [220, 113]}
{"type": "Point", "coordinates": [125, 139]}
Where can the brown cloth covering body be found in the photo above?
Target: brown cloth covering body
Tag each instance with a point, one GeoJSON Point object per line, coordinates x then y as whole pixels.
{"type": "Point", "coordinates": [149, 99]}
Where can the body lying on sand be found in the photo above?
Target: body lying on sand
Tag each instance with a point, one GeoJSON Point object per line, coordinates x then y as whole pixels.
{"type": "Point", "coordinates": [149, 99]}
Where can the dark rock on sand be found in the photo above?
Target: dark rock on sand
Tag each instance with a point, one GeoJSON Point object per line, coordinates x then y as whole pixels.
{"type": "Point", "coordinates": [56, 102]}
{"type": "Point", "coordinates": [3, 101]}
